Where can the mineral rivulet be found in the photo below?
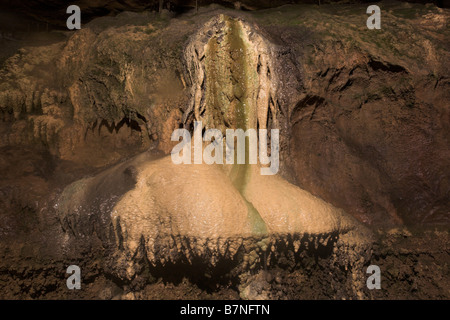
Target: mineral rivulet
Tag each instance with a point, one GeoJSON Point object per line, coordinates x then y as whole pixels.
{"type": "Point", "coordinates": [151, 209]}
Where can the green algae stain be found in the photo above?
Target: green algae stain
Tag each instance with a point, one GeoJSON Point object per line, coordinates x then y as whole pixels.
{"type": "Point", "coordinates": [230, 87]}
{"type": "Point", "coordinates": [244, 112]}
{"type": "Point", "coordinates": [258, 225]}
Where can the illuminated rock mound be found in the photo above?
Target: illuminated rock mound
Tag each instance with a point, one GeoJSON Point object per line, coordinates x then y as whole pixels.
{"type": "Point", "coordinates": [169, 213]}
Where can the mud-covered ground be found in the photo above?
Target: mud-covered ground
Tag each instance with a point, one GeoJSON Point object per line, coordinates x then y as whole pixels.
{"type": "Point", "coordinates": [414, 264]}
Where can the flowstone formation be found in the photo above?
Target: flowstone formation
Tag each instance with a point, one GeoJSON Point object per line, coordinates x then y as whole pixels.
{"type": "Point", "coordinates": [150, 210]}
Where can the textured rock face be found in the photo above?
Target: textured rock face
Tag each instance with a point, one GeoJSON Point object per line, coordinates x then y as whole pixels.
{"type": "Point", "coordinates": [91, 99]}
{"type": "Point", "coordinates": [380, 118]}
{"type": "Point", "coordinates": [361, 126]}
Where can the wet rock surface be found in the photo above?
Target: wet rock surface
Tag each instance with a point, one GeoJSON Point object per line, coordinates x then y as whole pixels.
{"type": "Point", "coordinates": [364, 125]}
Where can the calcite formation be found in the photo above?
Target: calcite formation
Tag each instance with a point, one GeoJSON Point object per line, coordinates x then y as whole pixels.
{"type": "Point", "coordinates": [170, 212]}
{"type": "Point", "coordinates": [232, 69]}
